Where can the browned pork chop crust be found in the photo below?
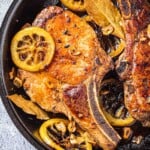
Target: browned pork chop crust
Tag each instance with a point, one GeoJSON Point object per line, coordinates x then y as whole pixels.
{"type": "Point", "coordinates": [64, 85]}
{"type": "Point", "coordinates": [76, 46]}
{"type": "Point", "coordinates": [134, 63]}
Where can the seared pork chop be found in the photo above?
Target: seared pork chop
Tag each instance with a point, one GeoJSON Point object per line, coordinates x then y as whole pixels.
{"type": "Point", "coordinates": [134, 64]}
{"type": "Point", "coordinates": [70, 83]}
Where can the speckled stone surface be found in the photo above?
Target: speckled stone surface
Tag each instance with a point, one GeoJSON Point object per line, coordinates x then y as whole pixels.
{"type": "Point", "coordinates": [10, 137]}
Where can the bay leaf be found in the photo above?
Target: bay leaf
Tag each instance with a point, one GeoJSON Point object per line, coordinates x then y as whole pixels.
{"type": "Point", "coordinates": [104, 13]}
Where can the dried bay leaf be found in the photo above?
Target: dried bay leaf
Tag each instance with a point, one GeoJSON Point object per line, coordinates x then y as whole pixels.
{"type": "Point", "coordinates": [104, 13]}
{"type": "Point", "coordinates": [28, 106]}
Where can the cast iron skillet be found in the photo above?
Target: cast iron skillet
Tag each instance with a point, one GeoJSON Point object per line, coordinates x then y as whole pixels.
{"type": "Point", "coordinates": [21, 12]}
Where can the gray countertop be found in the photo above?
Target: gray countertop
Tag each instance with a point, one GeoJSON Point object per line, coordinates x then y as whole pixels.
{"type": "Point", "coordinates": [10, 137]}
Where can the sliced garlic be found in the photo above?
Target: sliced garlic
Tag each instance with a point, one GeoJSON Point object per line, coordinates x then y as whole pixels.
{"type": "Point", "coordinates": [17, 82]}
{"type": "Point", "coordinates": [107, 30]}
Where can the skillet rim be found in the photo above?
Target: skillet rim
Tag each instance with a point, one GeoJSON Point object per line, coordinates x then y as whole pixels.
{"type": "Point", "coordinates": [10, 109]}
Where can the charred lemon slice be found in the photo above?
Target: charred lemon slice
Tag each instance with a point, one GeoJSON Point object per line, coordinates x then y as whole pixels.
{"type": "Point", "coordinates": [32, 49]}
{"type": "Point", "coordinates": [120, 47]}
{"type": "Point", "coordinates": [75, 5]}
{"type": "Point", "coordinates": [62, 134]}
{"type": "Point", "coordinates": [112, 103]}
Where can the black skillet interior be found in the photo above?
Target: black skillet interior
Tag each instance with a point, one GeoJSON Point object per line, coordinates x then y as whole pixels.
{"type": "Point", "coordinates": [21, 12]}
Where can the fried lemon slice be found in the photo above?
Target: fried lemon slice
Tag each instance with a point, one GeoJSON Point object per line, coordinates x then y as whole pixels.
{"type": "Point", "coordinates": [75, 5]}
{"type": "Point", "coordinates": [118, 50]}
{"type": "Point", "coordinates": [62, 134]}
{"type": "Point", "coordinates": [32, 49]}
{"type": "Point", "coordinates": [111, 102]}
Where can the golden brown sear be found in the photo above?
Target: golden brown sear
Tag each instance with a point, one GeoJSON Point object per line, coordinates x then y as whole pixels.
{"type": "Point", "coordinates": [75, 48]}
{"type": "Point", "coordinates": [134, 64]}
{"type": "Point", "coordinates": [78, 58]}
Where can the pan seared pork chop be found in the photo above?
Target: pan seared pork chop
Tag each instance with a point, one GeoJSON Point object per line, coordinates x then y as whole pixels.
{"type": "Point", "coordinates": [69, 85]}
{"type": "Point", "coordinates": [134, 64]}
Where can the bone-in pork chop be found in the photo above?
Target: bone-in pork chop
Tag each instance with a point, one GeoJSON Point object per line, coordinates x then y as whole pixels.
{"type": "Point", "coordinates": [69, 84]}
{"type": "Point", "coordinates": [134, 64]}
